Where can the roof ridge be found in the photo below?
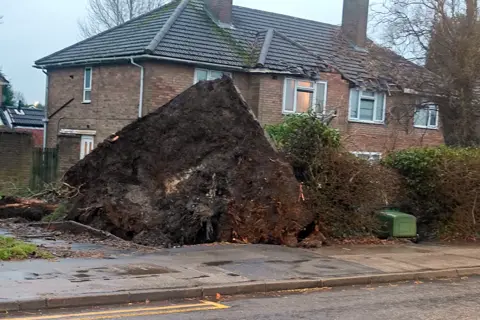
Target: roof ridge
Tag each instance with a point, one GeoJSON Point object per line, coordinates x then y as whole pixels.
{"type": "Point", "coordinates": [166, 27]}
{"type": "Point", "coordinates": [103, 32]}
{"type": "Point", "coordinates": [266, 46]}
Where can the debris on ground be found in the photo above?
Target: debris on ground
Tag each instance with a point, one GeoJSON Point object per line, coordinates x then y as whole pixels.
{"type": "Point", "coordinates": [199, 169]}
{"type": "Point", "coordinates": [30, 209]}
{"type": "Point", "coordinates": [69, 239]}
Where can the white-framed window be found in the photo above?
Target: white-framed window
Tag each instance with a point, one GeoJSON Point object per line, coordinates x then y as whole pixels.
{"type": "Point", "coordinates": [300, 95]}
{"type": "Point", "coordinates": [369, 156]}
{"type": "Point", "coordinates": [87, 144]}
{"type": "Point", "coordinates": [87, 85]}
{"type": "Point", "coordinates": [426, 116]}
{"type": "Point", "coordinates": [367, 106]}
{"type": "Point", "coordinates": [205, 74]}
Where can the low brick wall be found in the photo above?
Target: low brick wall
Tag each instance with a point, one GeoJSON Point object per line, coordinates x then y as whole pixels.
{"type": "Point", "coordinates": [15, 159]}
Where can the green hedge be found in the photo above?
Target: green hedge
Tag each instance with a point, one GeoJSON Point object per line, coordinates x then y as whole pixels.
{"type": "Point", "coordinates": [343, 190]}
{"type": "Point", "coordinates": [442, 188]}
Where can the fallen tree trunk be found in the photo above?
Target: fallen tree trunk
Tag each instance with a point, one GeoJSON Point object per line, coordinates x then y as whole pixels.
{"type": "Point", "coordinates": [30, 209]}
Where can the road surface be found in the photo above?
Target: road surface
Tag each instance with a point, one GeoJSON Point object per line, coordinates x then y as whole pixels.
{"type": "Point", "coordinates": [459, 300]}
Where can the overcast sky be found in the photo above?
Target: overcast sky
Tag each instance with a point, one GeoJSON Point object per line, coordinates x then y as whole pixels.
{"type": "Point", "coordinates": [32, 29]}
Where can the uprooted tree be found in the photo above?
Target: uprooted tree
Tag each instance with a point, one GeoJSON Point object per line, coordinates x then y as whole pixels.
{"type": "Point", "coordinates": [445, 36]}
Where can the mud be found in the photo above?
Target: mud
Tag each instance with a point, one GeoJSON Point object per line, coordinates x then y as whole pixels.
{"type": "Point", "coordinates": [199, 169]}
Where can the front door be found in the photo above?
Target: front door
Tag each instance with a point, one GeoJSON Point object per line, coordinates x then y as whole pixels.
{"type": "Point", "coordinates": [86, 146]}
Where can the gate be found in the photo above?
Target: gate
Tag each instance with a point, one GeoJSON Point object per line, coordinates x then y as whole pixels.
{"type": "Point", "coordinates": [44, 167]}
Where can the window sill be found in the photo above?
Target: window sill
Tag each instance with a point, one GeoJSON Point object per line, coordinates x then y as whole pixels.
{"type": "Point", "coordinates": [424, 127]}
{"type": "Point", "coordinates": [367, 122]}
{"type": "Point", "coordinates": [86, 102]}
{"type": "Point", "coordinates": [286, 113]}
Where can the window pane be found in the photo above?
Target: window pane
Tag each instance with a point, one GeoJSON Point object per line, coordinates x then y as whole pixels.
{"type": "Point", "coordinates": [354, 104]}
{"type": "Point", "coordinates": [304, 101]}
{"type": "Point", "coordinates": [87, 95]}
{"type": "Point", "coordinates": [433, 116]}
{"type": "Point", "coordinates": [307, 84]}
{"type": "Point", "coordinates": [215, 75]}
{"type": "Point", "coordinates": [88, 78]}
{"type": "Point", "coordinates": [368, 94]}
{"type": "Point", "coordinates": [421, 117]}
{"type": "Point", "coordinates": [289, 95]}
{"type": "Point", "coordinates": [379, 112]}
{"type": "Point", "coordinates": [366, 109]}
{"type": "Point", "coordinates": [320, 98]}
{"type": "Point", "coordinates": [202, 75]}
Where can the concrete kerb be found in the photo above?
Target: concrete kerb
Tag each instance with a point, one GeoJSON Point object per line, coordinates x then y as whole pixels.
{"type": "Point", "coordinates": [259, 287]}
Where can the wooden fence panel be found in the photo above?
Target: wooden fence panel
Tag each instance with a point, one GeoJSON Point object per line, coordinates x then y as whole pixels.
{"type": "Point", "coordinates": [44, 167]}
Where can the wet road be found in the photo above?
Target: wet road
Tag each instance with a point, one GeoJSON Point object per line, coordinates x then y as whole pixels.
{"type": "Point", "coordinates": [431, 300]}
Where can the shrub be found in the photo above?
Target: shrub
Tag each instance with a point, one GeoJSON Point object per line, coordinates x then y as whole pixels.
{"type": "Point", "coordinates": [442, 188]}
{"type": "Point", "coordinates": [343, 190]}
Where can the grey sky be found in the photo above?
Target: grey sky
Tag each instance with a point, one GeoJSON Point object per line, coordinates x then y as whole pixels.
{"type": "Point", "coordinates": [32, 29]}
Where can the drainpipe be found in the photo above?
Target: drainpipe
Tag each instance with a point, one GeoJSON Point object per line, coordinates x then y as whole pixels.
{"type": "Point", "coordinates": [142, 75]}
{"type": "Point", "coordinates": [45, 110]}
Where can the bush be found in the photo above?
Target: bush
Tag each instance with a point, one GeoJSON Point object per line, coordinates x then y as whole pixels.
{"type": "Point", "coordinates": [442, 186]}
{"type": "Point", "coordinates": [343, 190]}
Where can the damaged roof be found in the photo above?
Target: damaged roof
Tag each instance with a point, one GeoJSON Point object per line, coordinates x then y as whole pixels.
{"type": "Point", "coordinates": [182, 30]}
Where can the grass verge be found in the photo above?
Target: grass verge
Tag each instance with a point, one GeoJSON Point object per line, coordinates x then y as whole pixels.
{"type": "Point", "coordinates": [13, 249]}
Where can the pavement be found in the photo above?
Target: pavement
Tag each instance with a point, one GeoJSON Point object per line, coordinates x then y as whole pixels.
{"type": "Point", "coordinates": [204, 270]}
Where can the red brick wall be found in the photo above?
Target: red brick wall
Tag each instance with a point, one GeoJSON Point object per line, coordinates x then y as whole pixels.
{"type": "Point", "coordinates": [114, 100]}
{"type": "Point", "coordinates": [395, 134]}
{"type": "Point", "coordinates": [356, 136]}
{"type": "Point", "coordinates": [15, 159]}
{"type": "Point", "coordinates": [114, 97]}
{"type": "Point", "coordinates": [68, 152]}
{"type": "Point", "coordinates": [115, 94]}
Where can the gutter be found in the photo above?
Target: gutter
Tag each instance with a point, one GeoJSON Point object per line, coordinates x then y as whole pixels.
{"type": "Point", "coordinates": [142, 77]}
{"type": "Point", "coordinates": [45, 115]}
{"type": "Point", "coordinates": [140, 56]}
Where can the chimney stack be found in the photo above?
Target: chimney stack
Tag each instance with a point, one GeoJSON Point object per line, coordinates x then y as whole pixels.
{"type": "Point", "coordinates": [355, 20]}
{"type": "Point", "coordinates": [220, 11]}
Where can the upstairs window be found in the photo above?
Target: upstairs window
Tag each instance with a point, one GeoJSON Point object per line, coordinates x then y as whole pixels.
{"type": "Point", "coordinates": [87, 85]}
{"type": "Point", "coordinates": [367, 106]}
{"type": "Point", "coordinates": [301, 95]}
{"type": "Point", "coordinates": [426, 116]}
{"type": "Point", "coordinates": [204, 74]}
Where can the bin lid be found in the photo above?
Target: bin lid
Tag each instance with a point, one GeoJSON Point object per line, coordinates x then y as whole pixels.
{"type": "Point", "coordinates": [396, 214]}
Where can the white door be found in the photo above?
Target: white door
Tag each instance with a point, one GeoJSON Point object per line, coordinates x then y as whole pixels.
{"type": "Point", "coordinates": [86, 146]}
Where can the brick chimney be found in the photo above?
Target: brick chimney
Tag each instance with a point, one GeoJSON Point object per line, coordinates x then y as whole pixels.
{"type": "Point", "coordinates": [354, 21]}
{"type": "Point", "coordinates": [220, 11]}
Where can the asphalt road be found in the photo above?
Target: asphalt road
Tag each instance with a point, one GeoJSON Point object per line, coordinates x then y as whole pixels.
{"type": "Point", "coordinates": [431, 300]}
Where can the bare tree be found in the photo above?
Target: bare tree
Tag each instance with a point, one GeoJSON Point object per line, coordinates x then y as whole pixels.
{"type": "Point", "coordinates": [106, 14]}
{"type": "Point", "coordinates": [444, 35]}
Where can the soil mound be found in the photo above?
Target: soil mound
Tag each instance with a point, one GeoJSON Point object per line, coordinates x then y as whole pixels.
{"type": "Point", "coordinates": [199, 169]}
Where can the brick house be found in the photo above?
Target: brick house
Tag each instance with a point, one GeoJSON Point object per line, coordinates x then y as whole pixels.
{"type": "Point", "coordinates": [281, 64]}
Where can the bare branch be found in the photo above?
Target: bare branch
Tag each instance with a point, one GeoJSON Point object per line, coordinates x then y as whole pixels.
{"type": "Point", "coordinates": [106, 14]}
{"type": "Point", "coordinates": [444, 35]}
